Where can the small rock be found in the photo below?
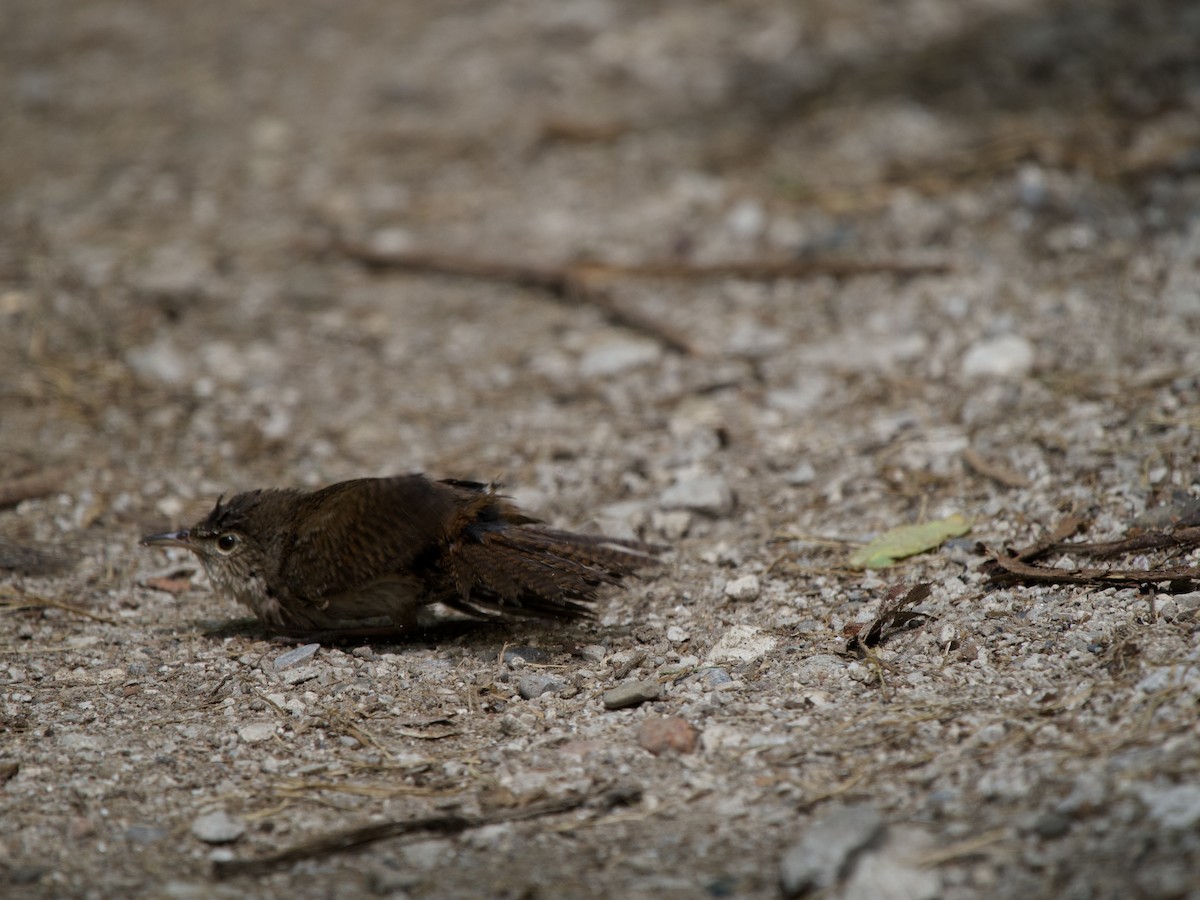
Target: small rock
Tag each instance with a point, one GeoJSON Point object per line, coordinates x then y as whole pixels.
{"type": "Point", "coordinates": [257, 732]}
{"type": "Point", "coordinates": [892, 868]}
{"type": "Point", "coordinates": [631, 693]}
{"type": "Point", "coordinates": [1173, 806]}
{"type": "Point", "coordinates": [741, 643]}
{"type": "Point", "coordinates": [744, 588]}
{"type": "Point", "coordinates": [826, 848]}
{"type": "Point", "coordinates": [747, 219]}
{"type": "Point", "coordinates": [677, 635]}
{"type": "Point", "coordinates": [295, 656]}
{"type": "Point", "coordinates": [802, 474]}
{"type": "Point", "coordinates": [391, 240]}
{"type": "Point", "coordinates": [534, 685]}
{"type": "Point", "coordinates": [1006, 356]}
{"type": "Point", "coordinates": [671, 524]}
{"type": "Point", "coordinates": [706, 494]}
{"type": "Point", "coordinates": [300, 674]}
{"type": "Point", "coordinates": [158, 361]}
{"type": "Point", "coordinates": [1050, 825]}
{"type": "Point", "coordinates": [426, 855]}
{"type": "Point", "coordinates": [618, 355]}
{"type": "Point", "coordinates": [535, 655]}
{"type": "Point", "coordinates": [715, 677]}
{"type": "Point", "coordinates": [667, 734]}
{"type": "Point", "coordinates": [218, 828]}
{"type": "Point", "coordinates": [489, 837]}
{"type": "Point", "coordinates": [512, 725]}
{"type": "Point", "coordinates": [593, 653]}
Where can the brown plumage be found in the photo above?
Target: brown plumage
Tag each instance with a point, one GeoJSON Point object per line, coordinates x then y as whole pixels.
{"type": "Point", "coordinates": [384, 547]}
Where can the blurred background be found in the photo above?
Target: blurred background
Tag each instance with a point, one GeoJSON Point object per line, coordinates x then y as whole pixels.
{"type": "Point", "coordinates": [176, 181]}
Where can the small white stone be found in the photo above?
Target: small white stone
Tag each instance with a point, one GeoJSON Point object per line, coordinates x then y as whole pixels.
{"type": "Point", "coordinates": [742, 643]}
{"type": "Point", "coordinates": [295, 656]}
{"type": "Point", "coordinates": [803, 473]}
{"type": "Point", "coordinates": [677, 635]}
{"type": "Point", "coordinates": [616, 356]}
{"type": "Point", "coordinates": [1174, 806]}
{"type": "Point", "coordinates": [707, 494]}
{"type": "Point", "coordinates": [159, 361]}
{"type": "Point", "coordinates": [747, 219]}
{"type": "Point", "coordinates": [257, 732]}
{"type": "Point", "coordinates": [1006, 356]}
{"type": "Point", "coordinates": [300, 674]}
{"type": "Point", "coordinates": [218, 828]}
{"type": "Point", "coordinates": [744, 588]}
{"type": "Point", "coordinates": [594, 653]}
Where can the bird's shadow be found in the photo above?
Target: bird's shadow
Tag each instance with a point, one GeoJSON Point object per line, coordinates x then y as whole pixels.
{"type": "Point", "coordinates": [379, 635]}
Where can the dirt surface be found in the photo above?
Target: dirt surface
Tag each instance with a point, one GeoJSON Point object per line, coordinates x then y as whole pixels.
{"type": "Point", "coordinates": [180, 316]}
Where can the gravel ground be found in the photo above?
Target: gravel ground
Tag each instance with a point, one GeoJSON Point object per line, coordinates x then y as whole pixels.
{"type": "Point", "coordinates": [181, 185]}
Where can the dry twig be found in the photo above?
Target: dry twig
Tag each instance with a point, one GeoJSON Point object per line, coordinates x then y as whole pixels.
{"type": "Point", "coordinates": [14, 490]}
{"type": "Point", "coordinates": [584, 282]}
{"type": "Point", "coordinates": [354, 838]}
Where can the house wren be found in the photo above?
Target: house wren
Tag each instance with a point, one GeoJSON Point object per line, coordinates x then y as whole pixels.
{"type": "Point", "coordinates": [384, 547]}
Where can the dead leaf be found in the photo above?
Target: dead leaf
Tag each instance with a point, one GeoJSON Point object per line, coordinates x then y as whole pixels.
{"type": "Point", "coordinates": [908, 540]}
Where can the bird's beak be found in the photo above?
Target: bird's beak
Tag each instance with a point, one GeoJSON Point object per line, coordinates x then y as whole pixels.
{"type": "Point", "coordinates": [169, 539]}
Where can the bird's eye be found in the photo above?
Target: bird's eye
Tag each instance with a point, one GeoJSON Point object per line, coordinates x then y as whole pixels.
{"type": "Point", "coordinates": [226, 542]}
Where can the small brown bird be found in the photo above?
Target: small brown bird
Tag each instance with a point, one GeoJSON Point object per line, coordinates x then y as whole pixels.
{"type": "Point", "coordinates": [385, 547]}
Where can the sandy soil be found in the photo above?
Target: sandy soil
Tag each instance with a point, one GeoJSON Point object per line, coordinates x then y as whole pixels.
{"type": "Point", "coordinates": [186, 191]}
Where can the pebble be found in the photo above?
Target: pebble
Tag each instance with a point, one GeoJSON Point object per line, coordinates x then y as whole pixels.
{"type": "Point", "coordinates": [677, 635]}
{"type": "Point", "coordinates": [295, 656]}
{"type": "Point", "coordinates": [616, 356]}
{"type": "Point", "coordinates": [1050, 825]}
{"type": "Point", "coordinates": [256, 732]}
{"type": "Point", "coordinates": [893, 869]}
{"type": "Point", "coordinates": [593, 653]}
{"type": "Point", "coordinates": [672, 524]}
{"type": "Point", "coordinates": [158, 361]}
{"type": "Point", "coordinates": [744, 588]}
{"type": "Point", "coordinates": [631, 693]}
{"type": "Point", "coordinates": [534, 685]}
{"type": "Point", "coordinates": [1006, 356]}
{"type": "Point", "coordinates": [709, 495]}
{"type": "Point", "coordinates": [426, 855]}
{"type": "Point", "coordinates": [1173, 806]}
{"type": "Point", "coordinates": [514, 726]}
{"type": "Point", "coordinates": [535, 655]}
{"type": "Point", "coordinates": [742, 643]}
{"type": "Point", "coordinates": [300, 674]}
{"type": "Point", "coordinates": [802, 474]}
{"type": "Point", "coordinates": [829, 842]}
{"type": "Point", "coordinates": [715, 677]}
{"type": "Point", "coordinates": [218, 828]}
{"type": "Point", "coordinates": [668, 734]}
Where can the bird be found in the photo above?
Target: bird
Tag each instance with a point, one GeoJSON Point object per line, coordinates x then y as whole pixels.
{"type": "Point", "coordinates": [384, 548]}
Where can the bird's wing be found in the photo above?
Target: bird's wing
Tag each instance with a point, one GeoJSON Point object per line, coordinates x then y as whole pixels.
{"type": "Point", "coordinates": [368, 528]}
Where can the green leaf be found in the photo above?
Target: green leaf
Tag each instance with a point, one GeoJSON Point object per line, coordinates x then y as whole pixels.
{"type": "Point", "coordinates": [908, 540]}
